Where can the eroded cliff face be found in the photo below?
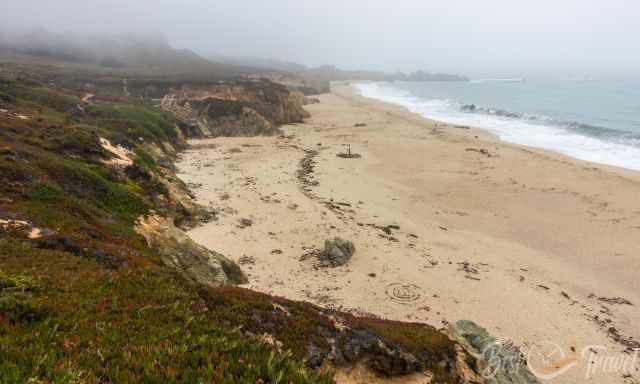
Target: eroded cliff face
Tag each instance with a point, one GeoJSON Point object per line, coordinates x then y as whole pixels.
{"type": "Point", "coordinates": [241, 108]}
{"type": "Point", "coordinates": [190, 259]}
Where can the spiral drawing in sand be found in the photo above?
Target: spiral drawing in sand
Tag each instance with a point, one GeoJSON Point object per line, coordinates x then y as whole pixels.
{"type": "Point", "coordinates": [403, 293]}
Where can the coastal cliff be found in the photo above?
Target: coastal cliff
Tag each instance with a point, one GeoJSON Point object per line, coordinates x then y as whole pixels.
{"type": "Point", "coordinates": [241, 108]}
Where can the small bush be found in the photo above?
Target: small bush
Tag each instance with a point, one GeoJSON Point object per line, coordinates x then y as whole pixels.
{"type": "Point", "coordinates": [46, 192]}
{"type": "Point", "coordinates": [16, 304]}
{"type": "Point", "coordinates": [80, 140]}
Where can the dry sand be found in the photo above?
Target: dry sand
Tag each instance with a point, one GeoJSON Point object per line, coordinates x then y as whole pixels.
{"type": "Point", "coordinates": [522, 241]}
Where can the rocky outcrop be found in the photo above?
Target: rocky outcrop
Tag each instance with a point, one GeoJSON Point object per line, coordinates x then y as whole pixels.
{"type": "Point", "coordinates": [241, 108]}
{"type": "Point", "coordinates": [496, 361]}
{"type": "Point", "coordinates": [299, 98]}
{"type": "Point", "coordinates": [337, 251]}
{"type": "Point", "coordinates": [192, 260]}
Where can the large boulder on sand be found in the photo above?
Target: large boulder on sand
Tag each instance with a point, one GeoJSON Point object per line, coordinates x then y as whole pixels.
{"type": "Point", "coordinates": [337, 251]}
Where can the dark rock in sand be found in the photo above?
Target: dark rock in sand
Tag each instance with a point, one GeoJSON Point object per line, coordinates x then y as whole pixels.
{"type": "Point", "coordinates": [337, 251]}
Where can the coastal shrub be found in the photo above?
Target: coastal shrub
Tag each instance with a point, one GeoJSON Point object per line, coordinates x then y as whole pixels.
{"type": "Point", "coordinates": [13, 172]}
{"type": "Point", "coordinates": [416, 338]}
{"type": "Point", "coordinates": [7, 98]}
{"type": "Point", "coordinates": [303, 327]}
{"type": "Point", "coordinates": [144, 159]}
{"type": "Point", "coordinates": [92, 182]}
{"type": "Point", "coordinates": [133, 121]}
{"type": "Point", "coordinates": [48, 205]}
{"type": "Point", "coordinates": [46, 192]}
{"type": "Point", "coordinates": [8, 91]}
{"type": "Point", "coordinates": [82, 140]}
{"type": "Point", "coordinates": [15, 299]}
{"type": "Point", "coordinates": [129, 326]}
{"type": "Point", "coordinates": [46, 97]}
{"type": "Point", "coordinates": [295, 324]}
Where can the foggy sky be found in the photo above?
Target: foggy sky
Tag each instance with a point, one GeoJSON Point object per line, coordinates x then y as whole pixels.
{"type": "Point", "coordinates": [474, 37]}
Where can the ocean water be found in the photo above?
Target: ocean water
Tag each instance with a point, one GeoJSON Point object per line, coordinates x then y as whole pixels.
{"type": "Point", "coordinates": [593, 120]}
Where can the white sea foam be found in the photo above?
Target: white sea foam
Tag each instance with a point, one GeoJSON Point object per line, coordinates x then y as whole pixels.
{"type": "Point", "coordinates": [521, 131]}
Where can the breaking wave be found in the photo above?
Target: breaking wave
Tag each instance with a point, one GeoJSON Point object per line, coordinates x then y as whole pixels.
{"type": "Point", "coordinates": [581, 141]}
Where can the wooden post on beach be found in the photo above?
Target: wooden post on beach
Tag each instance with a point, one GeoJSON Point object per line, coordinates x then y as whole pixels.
{"type": "Point", "coordinates": [348, 149]}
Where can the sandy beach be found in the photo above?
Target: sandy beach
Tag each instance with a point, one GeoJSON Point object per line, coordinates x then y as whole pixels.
{"type": "Point", "coordinates": [448, 222]}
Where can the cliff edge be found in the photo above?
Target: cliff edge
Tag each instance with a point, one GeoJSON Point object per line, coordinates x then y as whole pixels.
{"type": "Point", "coordinates": [240, 108]}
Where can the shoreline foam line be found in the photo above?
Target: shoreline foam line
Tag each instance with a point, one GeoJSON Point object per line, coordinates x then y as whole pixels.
{"type": "Point", "coordinates": [570, 142]}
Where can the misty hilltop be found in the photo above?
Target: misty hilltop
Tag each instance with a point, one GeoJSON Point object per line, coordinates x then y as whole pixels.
{"type": "Point", "coordinates": [123, 51]}
{"type": "Point", "coordinates": [152, 55]}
